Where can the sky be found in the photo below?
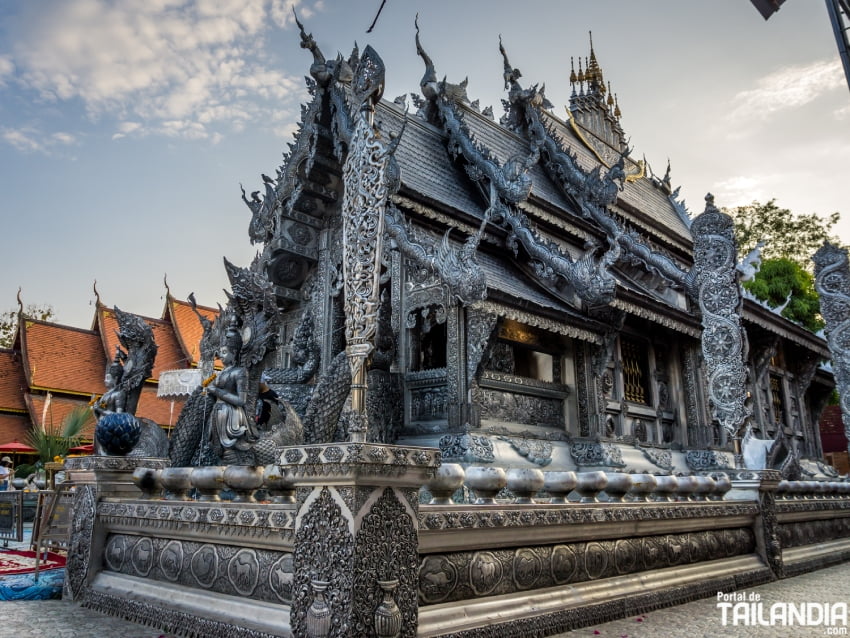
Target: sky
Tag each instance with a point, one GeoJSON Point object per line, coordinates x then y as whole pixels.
{"type": "Point", "coordinates": [127, 126]}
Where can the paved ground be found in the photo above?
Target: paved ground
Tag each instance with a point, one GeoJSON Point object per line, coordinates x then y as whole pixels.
{"type": "Point", "coordinates": [698, 619]}
{"type": "Point", "coordinates": [702, 618]}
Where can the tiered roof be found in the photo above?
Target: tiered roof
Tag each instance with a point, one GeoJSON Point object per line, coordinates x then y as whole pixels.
{"type": "Point", "coordinates": [54, 368]}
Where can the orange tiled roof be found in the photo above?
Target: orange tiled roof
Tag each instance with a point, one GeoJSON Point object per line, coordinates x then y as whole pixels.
{"type": "Point", "coordinates": [59, 408]}
{"type": "Point", "coordinates": [187, 326]}
{"type": "Point", "coordinates": [14, 427]}
{"type": "Point", "coordinates": [58, 357]}
{"type": "Point", "coordinates": [13, 383]}
{"type": "Point", "coordinates": [169, 354]}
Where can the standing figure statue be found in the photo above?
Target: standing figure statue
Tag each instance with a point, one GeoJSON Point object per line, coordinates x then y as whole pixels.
{"type": "Point", "coordinates": [230, 429]}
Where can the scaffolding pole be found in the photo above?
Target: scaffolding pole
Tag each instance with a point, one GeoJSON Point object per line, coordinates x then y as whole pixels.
{"type": "Point", "coordinates": [839, 14]}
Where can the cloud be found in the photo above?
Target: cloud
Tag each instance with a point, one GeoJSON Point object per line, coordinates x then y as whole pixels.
{"type": "Point", "coordinates": [63, 138]}
{"type": "Point", "coordinates": [184, 68]}
{"type": "Point", "coordinates": [7, 68]}
{"type": "Point", "coordinates": [21, 139]}
{"type": "Point", "coordinates": [788, 88]}
{"type": "Point", "coordinates": [740, 190]}
{"type": "Point", "coordinates": [33, 140]}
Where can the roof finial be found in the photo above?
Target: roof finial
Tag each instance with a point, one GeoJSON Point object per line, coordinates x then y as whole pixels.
{"type": "Point", "coordinates": [573, 76]}
{"type": "Point", "coordinates": [610, 95]}
{"type": "Point", "coordinates": [165, 282]}
{"type": "Point", "coordinates": [96, 294]}
{"type": "Point", "coordinates": [20, 303]}
{"type": "Point", "coordinates": [617, 112]}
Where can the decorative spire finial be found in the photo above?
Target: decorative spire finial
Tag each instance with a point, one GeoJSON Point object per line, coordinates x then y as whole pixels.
{"type": "Point", "coordinates": [428, 83]}
{"type": "Point", "coordinates": [573, 76]}
{"type": "Point", "coordinates": [165, 282]}
{"type": "Point", "coordinates": [510, 74]}
{"type": "Point", "coordinates": [96, 294]}
{"type": "Point", "coordinates": [20, 302]}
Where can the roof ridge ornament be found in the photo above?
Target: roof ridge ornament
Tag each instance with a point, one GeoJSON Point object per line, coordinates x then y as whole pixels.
{"type": "Point", "coordinates": [368, 81]}
{"type": "Point", "coordinates": [319, 69]}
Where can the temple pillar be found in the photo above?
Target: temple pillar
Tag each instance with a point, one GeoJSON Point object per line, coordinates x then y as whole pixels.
{"type": "Point", "coordinates": [724, 346]}
{"type": "Point", "coordinates": [356, 538]}
{"type": "Point", "coordinates": [832, 283]}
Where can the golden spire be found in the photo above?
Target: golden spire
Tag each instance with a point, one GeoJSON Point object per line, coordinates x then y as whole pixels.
{"type": "Point", "coordinates": [573, 76]}
{"type": "Point", "coordinates": [610, 95]}
{"type": "Point", "coordinates": [594, 71]}
{"type": "Point", "coordinates": [617, 112]}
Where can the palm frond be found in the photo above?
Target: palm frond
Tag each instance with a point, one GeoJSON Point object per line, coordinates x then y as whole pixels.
{"type": "Point", "coordinates": [55, 441]}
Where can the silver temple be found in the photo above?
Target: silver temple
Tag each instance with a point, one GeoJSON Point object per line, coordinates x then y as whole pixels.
{"type": "Point", "coordinates": [507, 362]}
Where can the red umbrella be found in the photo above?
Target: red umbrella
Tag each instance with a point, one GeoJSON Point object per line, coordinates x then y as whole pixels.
{"type": "Point", "coordinates": [82, 449]}
{"type": "Point", "coordinates": [14, 447]}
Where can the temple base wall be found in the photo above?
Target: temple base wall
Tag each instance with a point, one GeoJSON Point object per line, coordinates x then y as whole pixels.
{"type": "Point", "coordinates": [354, 553]}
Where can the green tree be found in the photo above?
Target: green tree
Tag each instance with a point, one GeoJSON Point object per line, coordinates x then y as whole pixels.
{"type": "Point", "coordinates": [9, 321]}
{"type": "Point", "coordinates": [785, 235]}
{"type": "Point", "coordinates": [785, 278]}
{"type": "Point", "coordinates": [783, 282]}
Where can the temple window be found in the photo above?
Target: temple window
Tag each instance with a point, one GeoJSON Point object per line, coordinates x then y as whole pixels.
{"type": "Point", "coordinates": [777, 398]}
{"type": "Point", "coordinates": [428, 338]}
{"type": "Point", "coordinates": [533, 364]}
{"type": "Point", "coordinates": [433, 348]}
{"type": "Point", "coordinates": [635, 365]}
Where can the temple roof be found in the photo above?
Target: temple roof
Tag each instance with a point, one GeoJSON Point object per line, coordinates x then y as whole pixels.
{"type": "Point", "coordinates": [57, 357]}
{"type": "Point", "coordinates": [187, 327]}
{"type": "Point", "coordinates": [13, 383]}
{"type": "Point", "coordinates": [655, 212]}
{"type": "Point", "coordinates": [429, 171]}
{"type": "Point", "coordinates": [13, 427]}
{"type": "Point", "coordinates": [169, 354]}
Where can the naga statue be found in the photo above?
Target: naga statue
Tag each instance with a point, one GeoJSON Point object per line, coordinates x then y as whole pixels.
{"type": "Point", "coordinates": [118, 431]}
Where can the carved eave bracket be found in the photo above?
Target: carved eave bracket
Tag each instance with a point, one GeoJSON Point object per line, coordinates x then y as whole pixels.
{"type": "Point", "coordinates": [457, 268]}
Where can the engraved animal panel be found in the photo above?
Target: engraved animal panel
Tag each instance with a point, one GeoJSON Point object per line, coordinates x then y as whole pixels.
{"type": "Point", "coordinates": [243, 570]}
{"type": "Point", "coordinates": [485, 572]}
{"type": "Point", "coordinates": [437, 578]}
